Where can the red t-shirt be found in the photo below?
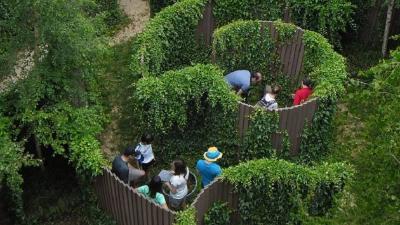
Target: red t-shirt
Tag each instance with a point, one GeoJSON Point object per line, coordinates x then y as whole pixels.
{"type": "Point", "coordinates": [301, 95]}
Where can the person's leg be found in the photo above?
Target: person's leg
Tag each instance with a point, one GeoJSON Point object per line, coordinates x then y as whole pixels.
{"type": "Point", "coordinates": [135, 175]}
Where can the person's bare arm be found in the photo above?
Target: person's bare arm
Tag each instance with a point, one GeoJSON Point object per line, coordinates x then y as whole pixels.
{"type": "Point", "coordinates": [172, 188]}
{"type": "Point", "coordinates": [164, 206]}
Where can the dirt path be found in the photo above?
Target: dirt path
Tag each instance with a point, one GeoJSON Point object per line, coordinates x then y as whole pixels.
{"type": "Point", "coordinates": [139, 13]}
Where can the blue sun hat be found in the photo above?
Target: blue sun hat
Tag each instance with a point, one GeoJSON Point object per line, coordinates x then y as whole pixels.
{"type": "Point", "coordinates": [212, 154]}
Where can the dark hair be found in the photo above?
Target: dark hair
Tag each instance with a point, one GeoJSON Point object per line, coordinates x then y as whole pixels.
{"type": "Point", "coordinates": [179, 167]}
{"type": "Point", "coordinates": [307, 82]}
{"type": "Point", "coordinates": [276, 89]}
{"type": "Point", "coordinates": [255, 75]}
{"type": "Point", "coordinates": [155, 186]}
{"type": "Point", "coordinates": [129, 151]}
{"type": "Point", "coordinates": [147, 138]}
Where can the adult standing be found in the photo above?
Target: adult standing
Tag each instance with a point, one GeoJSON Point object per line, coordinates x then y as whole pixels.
{"type": "Point", "coordinates": [240, 80]}
{"type": "Point", "coordinates": [302, 94]}
{"type": "Point", "coordinates": [125, 171]}
{"type": "Point", "coordinates": [208, 168]}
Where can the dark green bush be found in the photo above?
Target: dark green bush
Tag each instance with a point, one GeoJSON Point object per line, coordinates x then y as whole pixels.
{"type": "Point", "coordinates": [157, 5]}
{"type": "Point", "coordinates": [218, 214]}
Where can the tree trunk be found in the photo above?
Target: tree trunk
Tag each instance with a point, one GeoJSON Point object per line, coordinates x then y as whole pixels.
{"type": "Point", "coordinates": [387, 28]}
{"type": "Point", "coordinates": [38, 151]}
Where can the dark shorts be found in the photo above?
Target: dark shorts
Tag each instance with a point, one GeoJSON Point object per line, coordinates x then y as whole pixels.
{"type": "Point", "coordinates": [146, 166]}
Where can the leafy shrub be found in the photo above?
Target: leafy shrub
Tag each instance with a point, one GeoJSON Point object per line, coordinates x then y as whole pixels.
{"type": "Point", "coordinates": [12, 160]}
{"type": "Point", "coordinates": [280, 192]}
{"type": "Point", "coordinates": [168, 41]}
{"type": "Point", "coordinates": [186, 217]}
{"type": "Point", "coordinates": [326, 17]}
{"type": "Point", "coordinates": [188, 109]}
{"type": "Point", "coordinates": [218, 214]}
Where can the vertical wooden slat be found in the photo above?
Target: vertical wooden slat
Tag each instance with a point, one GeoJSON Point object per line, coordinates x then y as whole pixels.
{"type": "Point", "coordinates": [160, 217]}
{"type": "Point", "coordinates": [148, 212]}
{"type": "Point", "coordinates": [131, 210]}
{"type": "Point", "coordinates": [293, 59]}
{"type": "Point", "coordinates": [117, 200]}
{"type": "Point", "coordinates": [127, 210]}
{"type": "Point", "coordinates": [296, 61]}
{"type": "Point", "coordinates": [108, 193]}
{"type": "Point", "coordinates": [300, 62]}
{"type": "Point", "coordinates": [112, 197]}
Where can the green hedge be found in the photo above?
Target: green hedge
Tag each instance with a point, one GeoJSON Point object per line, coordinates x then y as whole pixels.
{"type": "Point", "coordinates": [168, 41]}
{"type": "Point", "coordinates": [157, 5]}
{"type": "Point", "coordinates": [328, 70]}
{"type": "Point", "coordinates": [188, 109]}
{"type": "Point", "coordinates": [186, 217]}
{"type": "Point", "coordinates": [280, 192]}
{"type": "Point", "coordinates": [328, 17]}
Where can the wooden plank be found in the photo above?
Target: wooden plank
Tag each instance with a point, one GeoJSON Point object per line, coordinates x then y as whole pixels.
{"type": "Point", "coordinates": [240, 121]}
{"type": "Point", "coordinates": [117, 194]}
{"type": "Point", "coordinates": [160, 217]}
{"type": "Point", "coordinates": [107, 188]}
{"type": "Point", "coordinates": [294, 56]}
{"type": "Point", "coordinates": [112, 197]}
{"type": "Point", "coordinates": [149, 210]}
{"type": "Point", "coordinates": [246, 119]}
{"type": "Point", "coordinates": [129, 197]}
{"type": "Point", "coordinates": [300, 63]}
{"type": "Point", "coordinates": [165, 217]}
{"type": "Point", "coordinates": [299, 43]}
{"type": "Point", "coordinates": [291, 57]}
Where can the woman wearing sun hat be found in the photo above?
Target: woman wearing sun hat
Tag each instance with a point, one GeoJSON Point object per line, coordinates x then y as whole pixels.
{"type": "Point", "coordinates": [208, 168]}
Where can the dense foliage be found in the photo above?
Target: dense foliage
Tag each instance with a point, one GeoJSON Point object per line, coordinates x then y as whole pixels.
{"type": "Point", "coordinates": [186, 217]}
{"type": "Point", "coordinates": [168, 41]}
{"type": "Point", "coordinates": [218, 214]}
{"type": "Point", "coordinates": [183, 107]}
{"type": "Point", "coordinates": [327, 69]}
{"type": "Point", "coordinates": [279, 192]}
{"type": "Point", "coordinates": [157, 5]}
{"type": "Point", "coordinates": [326, 17]}
{"type": "Point", "coordinates": [57, 107]}
{"type": "Point", "coordinates": [12, 159]}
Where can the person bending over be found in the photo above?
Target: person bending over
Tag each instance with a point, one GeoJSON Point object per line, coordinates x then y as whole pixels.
{"type": "Point", "coordinates": [240, 80]}
{"type": "Point", "coordinates": [153, 191]}
{"type": "Point", "coordinates": [269, 100]}
{"type": "Point", "coordinates": [125, 171]}
{"type": "Point", "coordinates": [208, 168]}
{"type": "Point", "coordinates": [302, 94]}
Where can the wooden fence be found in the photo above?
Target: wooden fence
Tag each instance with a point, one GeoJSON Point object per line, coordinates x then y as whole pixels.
{"type": "Point", "coordinates": [216, 191]}
{"type": "Point", "coordinates": [291, 119]}
{"type": "Point", "coordinates": [126, 206]}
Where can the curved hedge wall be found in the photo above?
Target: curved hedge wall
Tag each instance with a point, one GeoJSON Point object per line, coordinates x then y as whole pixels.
{"type": "Point", "coordinates": [168, 41]}
{"type": "Point", "coordinates": [328, 17]}
{"type": "Point", "coordinates": [280, 192]}
{"type": "Point", "coordinates": [188, 110]}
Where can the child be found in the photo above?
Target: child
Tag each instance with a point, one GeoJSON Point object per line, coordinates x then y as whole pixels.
{"type": "Point", "coordinates": [178, 185]}
{"type": "Point", "coordinates": [153, 191]}
{"type": "Point", "coordinates": [268, 101]}
{"type": "Point", "coordinates": [144, 152]}
{"type": "Point", "coordinates": [303, 93]}
{"type": "Point", "coordinates": [208, 168]}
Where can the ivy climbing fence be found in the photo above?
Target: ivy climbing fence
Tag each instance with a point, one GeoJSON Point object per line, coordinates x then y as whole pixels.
{"type": "Point", "coordinates": [291, 119]}
{"type": "Point", "coordinates": [128, 207]}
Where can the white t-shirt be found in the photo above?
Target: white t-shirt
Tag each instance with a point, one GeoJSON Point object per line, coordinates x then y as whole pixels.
{"type": "Point", "coordinates": [269, 102]}
{"type": "Point", "coordinates": [179, 182]}
{"type": "Point", "coordinates": [146, 152]}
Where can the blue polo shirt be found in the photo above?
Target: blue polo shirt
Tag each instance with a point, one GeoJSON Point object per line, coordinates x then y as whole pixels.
{"type": "Point", "coordinates": [239, 79]}
{"type": "Point", "coordinates": [208, 171]}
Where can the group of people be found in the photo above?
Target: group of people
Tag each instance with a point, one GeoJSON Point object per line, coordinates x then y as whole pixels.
{"type": "Point", "coordinates": [175, 179]}
{"type": "Point", "coordinates": [241, 80]}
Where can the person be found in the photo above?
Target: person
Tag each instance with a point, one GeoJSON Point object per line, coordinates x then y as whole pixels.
{"type": "Point", "coordinates": [177, 185]}
{"type": "Point", "coordinates": [125, 171]}
{"type": "Point", "coordinates": [144, 152]}
{"type": "Point", "coordinates": [153, 191]}
{"type": "Point", "coordinates": [208, 168]}
{"type": "Point", "coordinates": [269, 99]}
{"type": "Point", "coordinates": [240, 80]}
{"type": "Point", "coordinates": [302, 94]}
